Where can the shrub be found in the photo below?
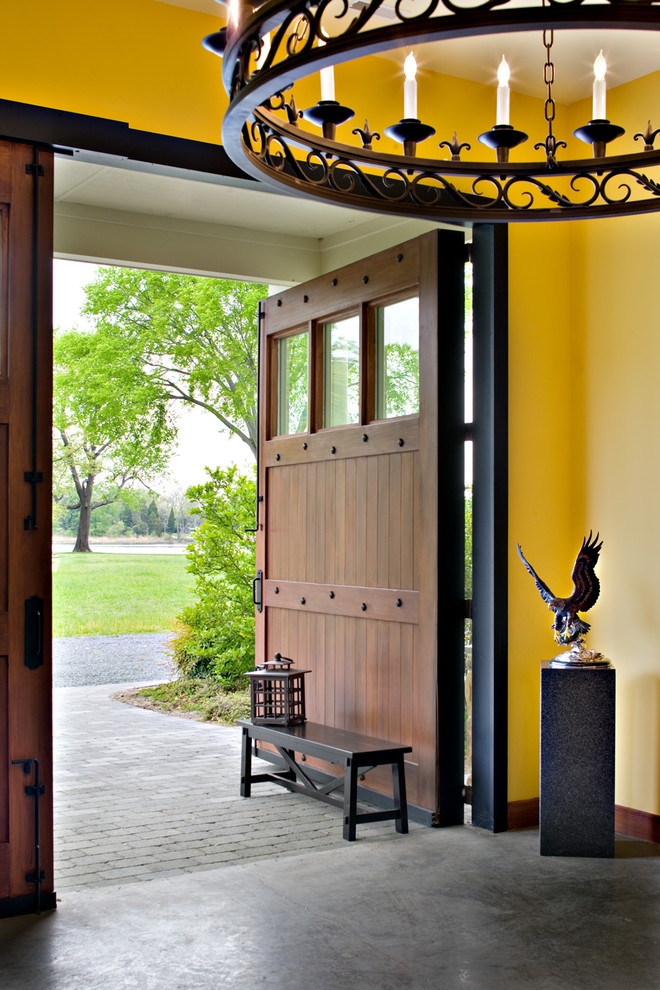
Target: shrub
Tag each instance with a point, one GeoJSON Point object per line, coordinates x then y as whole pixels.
{"type": "Point", "coordinates": [216, 632]}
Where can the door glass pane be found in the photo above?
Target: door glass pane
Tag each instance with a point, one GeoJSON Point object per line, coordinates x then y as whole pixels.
{"type": "Point", "coordinates": [293, 392]}
{"type": "Point", "coordinates": [397, 359]}
{"type": "Point", "coordinates": [341, 372]}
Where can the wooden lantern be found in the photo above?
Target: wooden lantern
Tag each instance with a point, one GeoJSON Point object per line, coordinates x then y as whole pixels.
{"type": "Point", "coordinates": [277, 693]}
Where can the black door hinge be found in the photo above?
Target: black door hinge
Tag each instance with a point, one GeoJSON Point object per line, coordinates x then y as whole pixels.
{"type": "Point", "coordinates": [32, 168]}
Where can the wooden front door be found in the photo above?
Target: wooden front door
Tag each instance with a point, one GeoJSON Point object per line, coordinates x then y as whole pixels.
{"type": "Point", "coordinates": [361, 538]}
{"type": "Point", "coordinates": [26, 209]}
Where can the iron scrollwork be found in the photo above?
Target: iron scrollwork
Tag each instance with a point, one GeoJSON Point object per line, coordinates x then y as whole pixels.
{"type": "Point", "coordinates": [262, 133]}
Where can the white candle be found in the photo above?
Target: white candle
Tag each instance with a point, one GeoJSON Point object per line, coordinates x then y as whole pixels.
{"type": "Point", "coordinates": [327, 80]}
{"type": "Point", "coordinates": [328, 83]}
{"type": "Point", "coordinates": [410, 88]}
{"type": "Point", "coordinates": [503, 74]}
{"type": "Point", "coordinates": [234, 12]}
{"type": "Point", "coordinates": [600, 68]}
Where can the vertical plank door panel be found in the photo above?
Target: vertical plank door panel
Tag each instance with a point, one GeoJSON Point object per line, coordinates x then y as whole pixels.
{"type": "Point", "coordinates": [354, 508]}
{"type": "Point", "coordinates": [26, 195]}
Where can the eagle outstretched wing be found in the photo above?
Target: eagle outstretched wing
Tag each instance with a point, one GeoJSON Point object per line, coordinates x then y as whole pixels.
{"type": "Point", "coordinates": [546, 594]}
{"type": "Point", "coordinates": [586, 589]}
{"type": "Point", "coordinates": [586, 585]}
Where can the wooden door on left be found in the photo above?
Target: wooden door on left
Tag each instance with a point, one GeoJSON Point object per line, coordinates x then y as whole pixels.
{"type": "Point", "coordinates": [26, 837]}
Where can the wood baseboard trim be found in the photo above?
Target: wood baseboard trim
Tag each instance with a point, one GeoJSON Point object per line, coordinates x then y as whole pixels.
{"type": "Point", "coordinates": [523, 814]}
{"type": "Point", "coordinates": [627, 821]}
{"type": "Point", "coordinates": [637, 824]}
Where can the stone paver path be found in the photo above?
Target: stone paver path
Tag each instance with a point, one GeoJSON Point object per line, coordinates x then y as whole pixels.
{"type": "Point", "coordinates": [140, 795]}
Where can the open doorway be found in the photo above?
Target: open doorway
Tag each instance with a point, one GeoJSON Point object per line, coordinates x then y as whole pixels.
{"type": "Point", "coordinates": [126, 612]}
{"type": "Point", "coordinates": [83, 223]}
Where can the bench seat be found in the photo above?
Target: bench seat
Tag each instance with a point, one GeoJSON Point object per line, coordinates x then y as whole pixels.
{"type": "Point", "coordinates": [355, 752]}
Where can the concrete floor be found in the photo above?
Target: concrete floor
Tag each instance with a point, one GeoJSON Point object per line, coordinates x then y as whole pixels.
{"type": "Point", "coordinates": [287, 903]}
{"type": "Point", "coordinates": [436, 909]}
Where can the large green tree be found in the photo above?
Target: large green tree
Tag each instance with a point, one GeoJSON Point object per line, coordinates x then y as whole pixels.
{"type": "Point", "coordinates": [194, 340]}
{"type": "Point", "coordinates": [110, 426]}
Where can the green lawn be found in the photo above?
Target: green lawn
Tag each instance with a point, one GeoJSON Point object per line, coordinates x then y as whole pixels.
{"type": "Point", "coordinates": [101, 594]}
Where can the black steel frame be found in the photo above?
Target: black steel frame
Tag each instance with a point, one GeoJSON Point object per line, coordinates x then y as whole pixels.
{"type": "Point", "coordinates": [490, 532]}
{"type": "Point", "coordinates": [111, 142]}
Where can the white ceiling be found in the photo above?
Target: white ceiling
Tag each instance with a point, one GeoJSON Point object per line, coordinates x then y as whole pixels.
{"type": "Point", "coordinates": [127, 214]}
{"type": "Point", "coordinates": [629, 54]}
{"type": "Point", "coordinates": [109, 188]}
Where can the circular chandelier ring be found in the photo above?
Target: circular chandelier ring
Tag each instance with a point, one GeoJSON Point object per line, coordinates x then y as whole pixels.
{"type": "Point", "coordinates": [253, 88]}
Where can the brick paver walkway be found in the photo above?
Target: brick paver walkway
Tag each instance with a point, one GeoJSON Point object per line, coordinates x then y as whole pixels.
{"type": "Point", "coordinates": [140, 796]}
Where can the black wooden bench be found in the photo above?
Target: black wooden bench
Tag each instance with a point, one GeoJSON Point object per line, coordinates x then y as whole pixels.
{"type": "Point", "coordinates": [356, 753]}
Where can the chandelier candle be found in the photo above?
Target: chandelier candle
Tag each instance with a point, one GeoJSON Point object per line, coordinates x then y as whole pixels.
{"type": "Point", "coordinates": [600, 68]}
{"type": "Point", "coordinates": [503, 74]}
{"type": "Point", "coordinates": [410, 89]}
{"type": "Point", "coordinates": [234, 13]}
{"type": "Point", "coordinates": [327, 81]}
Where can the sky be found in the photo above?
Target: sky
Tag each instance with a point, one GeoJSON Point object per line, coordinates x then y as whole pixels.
{"type": "Point", "coordinates": [200, 441]}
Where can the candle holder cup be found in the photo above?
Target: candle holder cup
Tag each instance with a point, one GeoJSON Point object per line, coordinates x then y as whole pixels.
{"type": "Point", "coordinates": [328, 114]}
{"type": "Point", "coordinates": [409, 132]}
{"type": "Point", "coordinates": [502, 137]}
{"type": "Point", "coordinates": [598, 133]}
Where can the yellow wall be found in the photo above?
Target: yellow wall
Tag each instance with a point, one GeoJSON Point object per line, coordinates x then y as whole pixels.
{"type": "Point", "coordinates": [546, 474]}
{"type": "Point", "coordinates": [137, 61]}
{"type": "Point", "coordinates": [584, 393]}
{"type": "Point", "coordinates": [584, 349]}
{"type": "Point", "coordinates": [615, 313]}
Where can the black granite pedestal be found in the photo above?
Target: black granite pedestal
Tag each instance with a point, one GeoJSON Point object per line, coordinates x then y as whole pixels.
{"type": "Point", "coordinates": [577, 761]}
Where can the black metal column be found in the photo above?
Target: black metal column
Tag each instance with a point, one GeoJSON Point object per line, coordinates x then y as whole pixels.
{"type": "Point", "coordinates": [490, 528]}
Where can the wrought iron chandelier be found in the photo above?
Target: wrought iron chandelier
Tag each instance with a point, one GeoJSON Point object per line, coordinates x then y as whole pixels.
{"type": "Point", "coordinates": [267, 48]}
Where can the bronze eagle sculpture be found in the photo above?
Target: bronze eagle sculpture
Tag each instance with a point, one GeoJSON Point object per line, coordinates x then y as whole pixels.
{"type": "Point", "coordinates": [586, 589]}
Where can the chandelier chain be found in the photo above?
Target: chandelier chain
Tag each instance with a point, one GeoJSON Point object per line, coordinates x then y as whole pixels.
{"type": "Point", "coordinates": [551, 144]}
{"type": "Point", "coordinates": [549, 77]}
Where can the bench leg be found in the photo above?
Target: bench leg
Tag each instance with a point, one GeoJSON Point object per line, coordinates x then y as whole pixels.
{"type": "Point", "coordinates": [350, 800]}
{"type": "Point", "coordinates": [399, 791]}
{"type": "Point", "coordinates": [246, 764]}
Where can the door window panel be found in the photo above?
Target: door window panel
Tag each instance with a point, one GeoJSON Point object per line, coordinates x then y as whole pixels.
{"type": "Point", "coordinates": [293, 392]}
{"type": "Point", "coordinates": [397, 359]}
{"type": "Point", "coordinates": [341, 372]}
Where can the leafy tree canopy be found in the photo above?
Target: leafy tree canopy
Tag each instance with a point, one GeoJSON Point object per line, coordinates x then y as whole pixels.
{"type": "Point", "coordinates": [109, 422]}
{"type": "Point", "coordinates": [189, 339]}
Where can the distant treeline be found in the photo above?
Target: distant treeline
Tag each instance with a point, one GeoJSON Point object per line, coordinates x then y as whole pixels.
{"type": "Point", "coordinates": [132, 516]}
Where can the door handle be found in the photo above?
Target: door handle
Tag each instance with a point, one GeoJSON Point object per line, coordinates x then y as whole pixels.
{"type": "Point", "coordinates": [257, 590]}
{"type": "Point", "coordinates": [34, 639]}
